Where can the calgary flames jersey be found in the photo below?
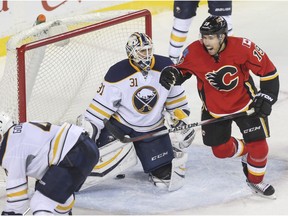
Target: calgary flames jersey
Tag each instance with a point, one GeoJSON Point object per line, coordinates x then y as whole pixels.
{"type": "Point", "coordinates": [135, 100]}
{"type": "Point", "coordinates": [226, 86]}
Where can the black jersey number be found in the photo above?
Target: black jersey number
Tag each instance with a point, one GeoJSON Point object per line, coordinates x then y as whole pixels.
{"type": "Point", "coordinates": [133, 82]}
{"type": "Point", "coordinates": [258, 52]}
{"type": "Point", "coordinates": [101, 89]}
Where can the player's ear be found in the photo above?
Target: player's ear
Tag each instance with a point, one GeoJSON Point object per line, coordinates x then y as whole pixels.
{"type": "Point", "coordinates": [222, 37]}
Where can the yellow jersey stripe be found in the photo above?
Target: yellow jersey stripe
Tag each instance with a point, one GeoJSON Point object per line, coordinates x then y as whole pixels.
{"type": "Point", "coordinates": [175, 101]}
{"type": "Point", "coordinates": [178, 39]}
{"type": "Point", "coordinates": [20, 193]}
{"type": "Point", "coordinates": [264, 127]}
{"type": "Point", "coordinates": [66, 208]}
{"type": "Point", "coordinates": [267, 78]}
{"type": "Point", "coordinates": [92, 106]}
{"type": "Point", "coordinates": [107, 162]}
{"type": "Point", "coordinates": [55, 148]}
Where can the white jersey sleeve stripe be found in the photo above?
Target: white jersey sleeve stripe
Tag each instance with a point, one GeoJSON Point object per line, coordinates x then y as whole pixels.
{"type": "Point", "coordinates": [178, 100]}
{"type": "Point", "coordinates": [17, 194]}
{"type": "Point", "coordinates": [96, 109]}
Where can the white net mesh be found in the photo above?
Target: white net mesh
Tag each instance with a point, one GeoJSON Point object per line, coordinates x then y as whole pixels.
{"type": "Point", "coordinates": [62, 77]}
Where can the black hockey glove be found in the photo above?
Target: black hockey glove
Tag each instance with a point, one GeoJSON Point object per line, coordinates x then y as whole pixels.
{"type": "Point", "coordinates": [10, 213]}
{"type": "Point", "coordinates": [262, 103]}
{"type": "Point", "coordinates": [169, 76]}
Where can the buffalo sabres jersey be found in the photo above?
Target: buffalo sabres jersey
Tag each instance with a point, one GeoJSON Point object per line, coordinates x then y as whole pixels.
{"type": "Point", "coordinates": [133, 99]}
{"type": "Point", "coordinates": [28, 149]}
{"type": "Point", "coordinates": [225, 86]}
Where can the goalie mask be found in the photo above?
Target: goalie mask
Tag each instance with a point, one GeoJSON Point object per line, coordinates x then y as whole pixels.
{"type": "Point", "coordinates": [5, 123]}
{"type": "Point", "coordinates": [139, 49]}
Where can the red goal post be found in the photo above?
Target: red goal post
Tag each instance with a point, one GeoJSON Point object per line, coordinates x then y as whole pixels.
{"type": "Point", "coordinates": [52, 70]}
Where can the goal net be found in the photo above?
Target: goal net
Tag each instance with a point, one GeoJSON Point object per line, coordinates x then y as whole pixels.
{"type": "Point", "coordinates": [53, 69]}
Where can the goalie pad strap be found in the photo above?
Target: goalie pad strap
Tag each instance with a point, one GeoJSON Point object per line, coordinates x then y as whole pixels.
{"type": "Point", "coordinates": [178, 170]}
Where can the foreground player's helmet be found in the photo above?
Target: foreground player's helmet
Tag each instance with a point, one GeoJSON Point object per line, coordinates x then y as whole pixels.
{"type": "Point", "coordinates": [214, 25]}
{"type": "Point", "coordinates": [139, 49]}
{"type": "Point", "coordinates": [5, 123]}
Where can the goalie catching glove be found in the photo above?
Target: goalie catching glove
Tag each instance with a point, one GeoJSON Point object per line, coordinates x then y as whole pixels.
{"type": "Point", "coordinates": [184, 137]}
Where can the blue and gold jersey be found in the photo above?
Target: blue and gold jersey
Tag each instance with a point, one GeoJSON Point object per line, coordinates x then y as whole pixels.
{"type": "Point", "coordinates": [135, 100]}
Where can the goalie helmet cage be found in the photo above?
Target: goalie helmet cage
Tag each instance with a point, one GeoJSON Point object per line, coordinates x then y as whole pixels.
{"type": "Point", "coordinates": [54, 69]}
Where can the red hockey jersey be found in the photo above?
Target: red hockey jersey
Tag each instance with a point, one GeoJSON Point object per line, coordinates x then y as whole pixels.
{"type": "Point", "coordinates": [226, 86]}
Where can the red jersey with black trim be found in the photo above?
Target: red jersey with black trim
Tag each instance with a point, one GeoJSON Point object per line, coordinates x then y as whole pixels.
{"type": "Point", "coordinates": [226, 86]}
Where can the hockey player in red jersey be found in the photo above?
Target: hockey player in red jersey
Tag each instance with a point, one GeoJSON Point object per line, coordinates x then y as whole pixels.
{"type": "Point", "coordinates": [221, 65]}
{"type": "Point", "coordinates": [184, 13]}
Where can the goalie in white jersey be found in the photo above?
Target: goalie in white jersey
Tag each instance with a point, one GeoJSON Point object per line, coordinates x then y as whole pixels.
{"type": "Point", "coordinates": [134, 101]}
{"type": "Point", "coordinates": [60, 157]}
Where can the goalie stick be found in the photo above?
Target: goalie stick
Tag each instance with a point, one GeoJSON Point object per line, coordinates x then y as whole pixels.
{"type": "Point", "coordinates": [124, 139]}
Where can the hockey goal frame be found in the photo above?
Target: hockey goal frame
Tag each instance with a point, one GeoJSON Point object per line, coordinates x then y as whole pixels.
{"type": "Point", "coordinates": [21, 73]}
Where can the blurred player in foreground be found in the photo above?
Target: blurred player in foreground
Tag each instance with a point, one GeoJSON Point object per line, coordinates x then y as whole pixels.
{"type": "Point", "coordinates": [184, 13]}
{"type": "Point", "coordinates": [59, 157]}
{"type": "Point", "coordinates": [221, 65]}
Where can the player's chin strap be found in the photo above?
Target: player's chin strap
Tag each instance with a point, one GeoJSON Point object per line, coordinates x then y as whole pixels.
{"type": "Point", "coordinates": [125, 139]}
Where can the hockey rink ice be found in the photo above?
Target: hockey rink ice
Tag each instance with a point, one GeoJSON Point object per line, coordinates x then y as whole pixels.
{"type": "Point", "coordinates": [213, 186]}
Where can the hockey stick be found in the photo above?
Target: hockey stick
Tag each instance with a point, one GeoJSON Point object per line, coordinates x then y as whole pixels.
{"type": "Point", "coordinates": [26, 212]}
{"type": "Point", "coordinates": [124, 139]}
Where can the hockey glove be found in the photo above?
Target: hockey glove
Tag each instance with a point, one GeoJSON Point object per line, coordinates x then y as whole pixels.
{"type": "Point", "coordinates": [262, 103]}
{"type": "Point", "coordinates": [10, 213]}
{"type": "Point", "coordinates": [168, 77]}
{"type": "Point", "coordinates": [184, 137]}
{"type": "Point", "coordinates": [89, 127]}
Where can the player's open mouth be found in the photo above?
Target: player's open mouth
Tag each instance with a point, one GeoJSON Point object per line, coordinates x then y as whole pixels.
{"type": "Point", "coordinates": [210, 50]}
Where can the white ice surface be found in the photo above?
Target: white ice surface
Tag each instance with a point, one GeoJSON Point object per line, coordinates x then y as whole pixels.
{"type": "Point", "coordinates": [213, 186]}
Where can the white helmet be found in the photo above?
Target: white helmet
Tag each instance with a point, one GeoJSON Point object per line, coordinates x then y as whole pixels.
{"type": "Point", "coordinates": [5, 123]}
{"type": "Point", "coordinates": [139, 49]}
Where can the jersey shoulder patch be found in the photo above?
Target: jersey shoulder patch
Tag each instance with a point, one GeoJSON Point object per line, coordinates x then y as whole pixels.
{"type": "Point", "coordinates": [240, 42]}
{"type": "Point", "coordinates": [119, 71]}
{"type": "Point", "coordinates": [246, 42]}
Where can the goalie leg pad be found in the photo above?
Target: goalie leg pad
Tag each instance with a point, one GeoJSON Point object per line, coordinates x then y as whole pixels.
{"type": "Point", "coordinates": [161, 176]}
{"type": "Point", "coordinates": [178, 170]}
{"type": "Point", "coordinates": [175, 179]}
{"type": "Point", "coordinates": [115, 157]}
{"type": "Point", "coordinates": [162, 152]}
